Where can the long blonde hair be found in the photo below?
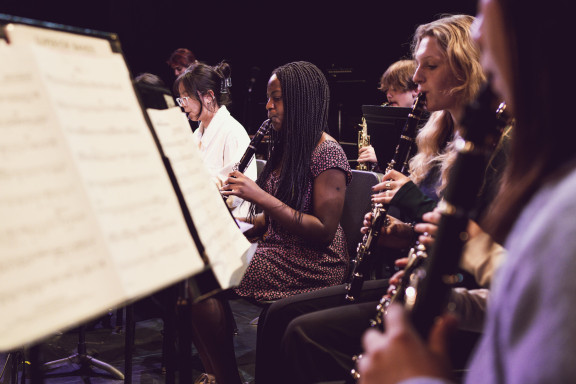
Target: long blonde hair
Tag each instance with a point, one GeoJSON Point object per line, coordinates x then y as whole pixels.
{"type": "Point", "coordinates": [435, 139]}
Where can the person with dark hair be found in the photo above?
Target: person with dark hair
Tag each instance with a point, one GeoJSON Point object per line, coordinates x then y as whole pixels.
{"type": "Point", "coordinates": [301, 195]}
{"type": "Point", "coordinates": [312, 337]}
{"type": "Point", "coordinates": [301, 191]}
{"type": "Point", "coordinates": [204, 95]}
{"type": "Point", "coordinates": [181, 59]}
{"type": "Point", "coordinates": [153, 91]}
{"type": "Point", "coordinates": [396, 82]}
{"type": "Point", "coordinates": [150, 79]}
{"type": "Point", "coordinates": [529, 333]}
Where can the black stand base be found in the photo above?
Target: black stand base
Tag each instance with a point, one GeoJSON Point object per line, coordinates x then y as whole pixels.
{"type": "Point", "coordinates": [84, 360]}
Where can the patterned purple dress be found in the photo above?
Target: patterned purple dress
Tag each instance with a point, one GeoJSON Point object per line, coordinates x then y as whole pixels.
{"type": "Point", "coordinates": [285, 264]}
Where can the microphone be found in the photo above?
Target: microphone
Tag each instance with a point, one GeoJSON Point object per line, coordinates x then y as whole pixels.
{"type": "Point", "coordinates": [254, 72]}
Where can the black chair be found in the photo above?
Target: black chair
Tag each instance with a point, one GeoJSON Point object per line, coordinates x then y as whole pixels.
{"type": "Point", "coordinates": [356, 204]}
{"type": "Point", "coordinates": [260, 163]}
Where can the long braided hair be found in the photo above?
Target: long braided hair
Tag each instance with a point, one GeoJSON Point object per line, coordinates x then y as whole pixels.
{"type": "Point", "coordinates": [306, 96]}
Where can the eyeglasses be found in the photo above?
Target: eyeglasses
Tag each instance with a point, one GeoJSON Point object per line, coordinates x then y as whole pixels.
{"type": "Point", "coordinates": [182, 101]}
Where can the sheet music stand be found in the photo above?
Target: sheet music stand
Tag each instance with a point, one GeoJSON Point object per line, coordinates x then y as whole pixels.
{"type": "Point", "coordinates": [81, 357]}
{"type": "Point", "coordinates": [84, 360]}
{"type": "Point", "coordinates": [384, 127]}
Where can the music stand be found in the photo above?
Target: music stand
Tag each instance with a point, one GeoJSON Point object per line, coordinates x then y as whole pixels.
{"type": "Point", "coordinates": [384, 125]}
{"type": "Point", "coordinates": [84, 360]}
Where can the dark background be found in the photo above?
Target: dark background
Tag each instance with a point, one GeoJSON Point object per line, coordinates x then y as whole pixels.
{"type": "Point", "coordinates": [353, 42]}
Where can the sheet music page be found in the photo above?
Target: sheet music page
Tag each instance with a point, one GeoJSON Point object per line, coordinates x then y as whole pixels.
{"type": "Point", "coordinates": [122, 170]}
{"type": "Point", "coordinates": [26, 35]}
{"type": "Point", "coordinates": [226, 246]}
{"type": "Point", "coordinates": [54, 264]}
{"type": "Point", "coordinates": [89, 217]}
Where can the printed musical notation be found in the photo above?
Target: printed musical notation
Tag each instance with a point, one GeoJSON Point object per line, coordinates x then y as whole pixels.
{"type": "Point", "coordinates": [226, 247]}
{"type": "Point", "coordinates": [89, 218]}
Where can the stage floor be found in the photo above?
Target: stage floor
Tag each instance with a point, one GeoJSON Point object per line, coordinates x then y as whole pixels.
{"type": "Point", "coordinates": [105, 342]}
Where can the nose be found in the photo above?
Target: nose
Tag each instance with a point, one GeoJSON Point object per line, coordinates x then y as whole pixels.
{"type": "Point", "coordinates": [417, 77]}
{"type": "Point", "coordinates": [269, 104]}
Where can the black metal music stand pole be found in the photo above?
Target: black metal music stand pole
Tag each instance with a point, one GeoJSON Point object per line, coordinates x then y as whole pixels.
{"type": "Point", "coordinates": [84, 360]}
{"type": "Point", "coordinates": [36, 374]}
{"type": "Point", "coordinates": [13, 359]}
{"type": "Point", "coordinates": [129, 343]}
{"type": "Point", "coordinates": [169, 351]}
{"type": "Point", "coordinates": [184, 335]}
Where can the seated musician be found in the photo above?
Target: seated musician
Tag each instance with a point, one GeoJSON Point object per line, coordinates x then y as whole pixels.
{"type": "Point", "coordinates": [204, 94]}
{"type": "Point", "coordinates": [529, 334]}
{"type": "Point", "coordinates": [180, 60]}
{"type": "Point", "coordinates": [396, 82]}
{"type": "Point", "coordinates": [312, 337]}
{"type": "Point", "coordinates": [301, 194]}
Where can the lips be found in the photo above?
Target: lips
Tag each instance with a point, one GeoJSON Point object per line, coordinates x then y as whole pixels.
{"type": "Point", "coordinates": [425, 103]}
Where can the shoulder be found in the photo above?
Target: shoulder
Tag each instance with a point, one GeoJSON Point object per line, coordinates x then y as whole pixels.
{"type": "Point", "coordinates": [231, 126]}
{"type": "Point", "coordinates": [546, 226]}
{"type": "Point", "coordinates": [329, 154]}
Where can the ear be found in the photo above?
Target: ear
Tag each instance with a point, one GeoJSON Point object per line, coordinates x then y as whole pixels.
{"type": "Point", "coordinates": [208, 97]}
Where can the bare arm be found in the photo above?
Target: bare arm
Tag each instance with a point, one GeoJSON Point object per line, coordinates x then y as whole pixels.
{"type": "Point", "coordinates": [259, 226]}
{"type": "Point", "coordinates": [319, 227]}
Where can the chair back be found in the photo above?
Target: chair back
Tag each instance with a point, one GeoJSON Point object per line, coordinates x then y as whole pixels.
{"type": "Point", "coordinates": [356, 204]}
{"type": "Point", "coordinates": [260, 163]}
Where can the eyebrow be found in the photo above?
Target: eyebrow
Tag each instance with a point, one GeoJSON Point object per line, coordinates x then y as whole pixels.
{"type": "Point", "coordinates": [428, 57]}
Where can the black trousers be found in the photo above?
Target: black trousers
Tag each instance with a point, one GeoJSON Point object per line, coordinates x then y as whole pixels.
{"type": "Point", "coordinates": [312, 337]}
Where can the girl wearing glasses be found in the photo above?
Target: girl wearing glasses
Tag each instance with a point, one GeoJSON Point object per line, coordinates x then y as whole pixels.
{"type": "Point", "coordinates": [204, 94]}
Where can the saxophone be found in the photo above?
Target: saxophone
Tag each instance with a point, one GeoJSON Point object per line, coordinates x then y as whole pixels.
{"type": "Point", "coordinates": [363, 141]}
{"type": "Point", "coordinates": [399, 162]}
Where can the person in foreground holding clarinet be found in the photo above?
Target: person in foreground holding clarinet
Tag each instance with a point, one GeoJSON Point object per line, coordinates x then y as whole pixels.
{"type": "Point", "coordinates": [301, 194]}
{"type": "Point", "coordinates": [312, 337]}
{"type": "Point", "coordinates": [529, 333]}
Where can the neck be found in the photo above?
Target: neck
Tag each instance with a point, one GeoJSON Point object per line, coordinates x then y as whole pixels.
{"type": "Point", "coordinates": [208, 118]}
{"type": "Point", "coordinates": [456, 114]}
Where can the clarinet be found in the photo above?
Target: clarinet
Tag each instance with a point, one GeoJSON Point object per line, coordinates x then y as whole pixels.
{"type": "Point", "coordinates": [249, 154]}
{"type": "Point", "coordinates": [433, 281]}
{"type": "Point", "coordinates": [425, 287]}
{"type": "Point", "coordinates": [251, 150]}
{"type": "Point", "coordinates": [414, 272]}
{"type": "Point", "coordinates": [416, 257]}
{"type": "Point", "coordinates": [399, 163]}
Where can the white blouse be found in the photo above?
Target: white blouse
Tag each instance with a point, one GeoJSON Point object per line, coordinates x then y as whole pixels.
{"type": "Point", "coordinates": [222, 144]}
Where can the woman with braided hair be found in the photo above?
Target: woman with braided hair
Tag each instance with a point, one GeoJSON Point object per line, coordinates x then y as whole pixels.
{"type": "Point", "coordinates": [301, 191]}
{"type": "Point", "coordinates": [301, 195]}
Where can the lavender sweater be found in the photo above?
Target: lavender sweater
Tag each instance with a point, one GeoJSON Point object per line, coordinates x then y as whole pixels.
{"type": "Point", "coordinates": [530, 330]}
